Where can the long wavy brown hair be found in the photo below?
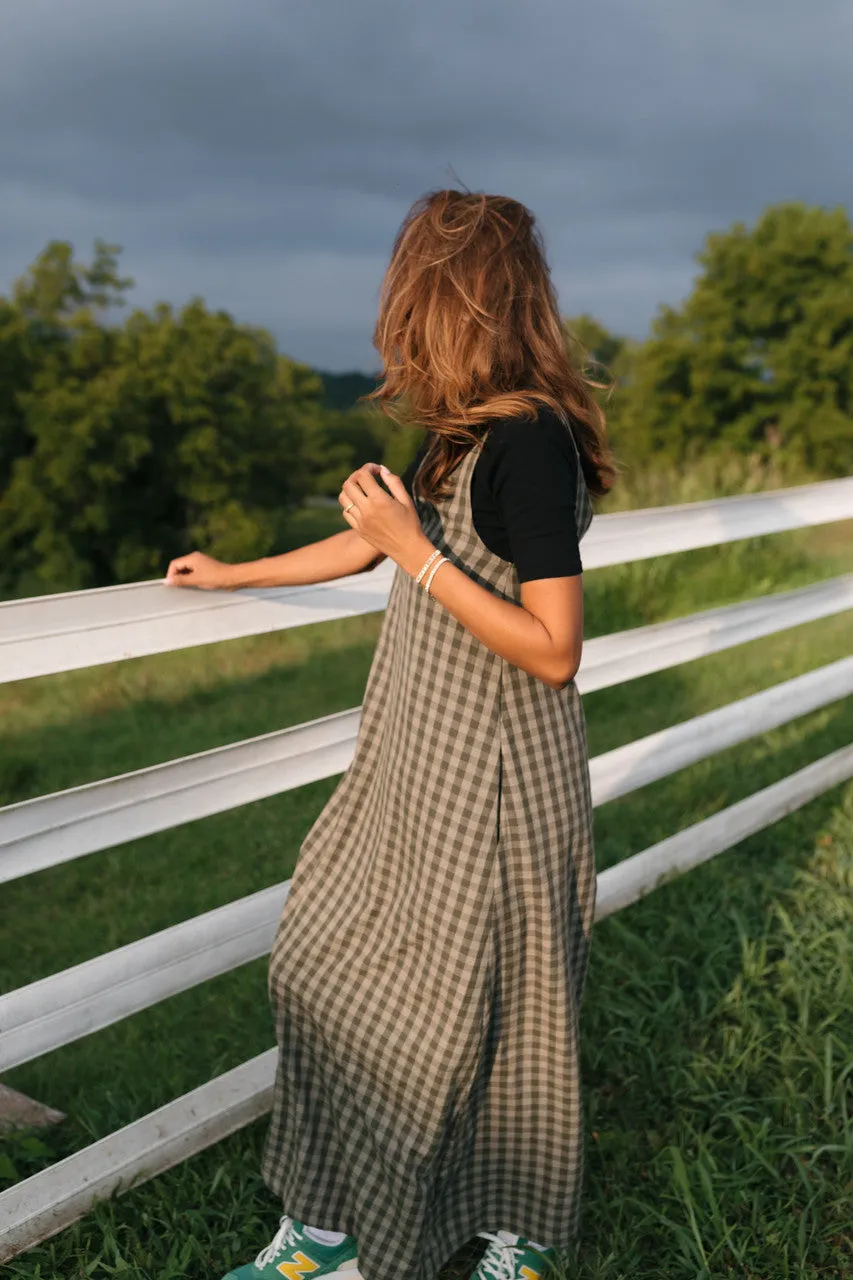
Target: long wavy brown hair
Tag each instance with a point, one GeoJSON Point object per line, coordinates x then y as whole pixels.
{"type": "Point", "coordinates": [469, 330]}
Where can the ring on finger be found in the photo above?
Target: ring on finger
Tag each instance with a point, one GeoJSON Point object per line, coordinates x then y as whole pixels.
{"type": "Point", "coordinates": [346, 509]}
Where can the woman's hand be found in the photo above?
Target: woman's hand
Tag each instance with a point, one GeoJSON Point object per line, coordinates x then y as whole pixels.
{"type": "Point", "coordinates": [389, 522]}
{"type": "Point", "coordinates": [199, 570]}
{"type": "Point", "coordinates": [542, 635]}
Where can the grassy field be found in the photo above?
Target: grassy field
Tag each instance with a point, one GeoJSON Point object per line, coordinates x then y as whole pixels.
{"type": "Point", "coordinates": [718, 1020]}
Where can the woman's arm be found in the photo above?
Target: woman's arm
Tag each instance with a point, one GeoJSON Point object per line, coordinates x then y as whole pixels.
{"type": "Point", "coordinates": [543, 635]}
{"type": "Point", "coordinates": [334, 557]}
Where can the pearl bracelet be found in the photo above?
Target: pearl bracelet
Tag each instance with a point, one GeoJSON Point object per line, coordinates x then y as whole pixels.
{"type": "Point", "coordinates": [435, 553]}
{"type": "Point", "coordinates": [439, 562]}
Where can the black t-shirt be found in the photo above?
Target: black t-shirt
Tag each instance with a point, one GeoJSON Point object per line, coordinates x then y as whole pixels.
{"type": "Point", "coordinates": [523, 491]}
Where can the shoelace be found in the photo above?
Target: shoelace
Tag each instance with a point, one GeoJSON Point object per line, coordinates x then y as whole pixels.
{"type": "Point", "coordinates": [286, 1235]}
{"type": "Point", "coordinates": [499, 1259]}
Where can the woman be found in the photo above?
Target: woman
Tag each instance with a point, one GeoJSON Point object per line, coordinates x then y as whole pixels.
{"type": "Point", "coordinates": [428, 970]}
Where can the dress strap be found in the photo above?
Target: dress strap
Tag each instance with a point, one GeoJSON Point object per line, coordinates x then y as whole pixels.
{"type": "Point", "coordinates": [583, 503]}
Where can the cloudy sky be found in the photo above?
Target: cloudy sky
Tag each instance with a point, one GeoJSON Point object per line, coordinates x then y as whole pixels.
{"type": "Point", "coordinates": [262, 153]}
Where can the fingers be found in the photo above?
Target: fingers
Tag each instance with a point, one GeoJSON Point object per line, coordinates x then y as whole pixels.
{"type": "Point", "coordinates": [362, 483]}
{"type": "Point", "coordinates": [359, 487]}
{"type": "Point", "coordinates": [177, 570]}
{"type": "Point", "coordinates": [364, 479]}
{"type": "Point", "coordinates": [187, 570]}
{"type": "Point", "coordinates": [349, 493]}
{"type": "Point", "coordinates": [396, 487]}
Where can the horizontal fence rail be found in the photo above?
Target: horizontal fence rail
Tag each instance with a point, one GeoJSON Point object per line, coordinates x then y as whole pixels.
{"type": "Point", "coordinates": [78, 629]}
{"type": "Point", "coordinates": [625, 769]}
{"type": "Point", "coordinates": [60, 1009]}
{"type": "Point", "coordinates": [56, 1010]}
{"type": "Point", "coordinates": [58, 1196]}
{"type": "Point", "coordinates": [51, 1200]}
{"type": "Point", "coordinates": [612, 660]}
{"type": "Point", "coordinates": [40, 833]}
{"type": "Point", "coordinates": [52, 829]}
{"type": "Point", "coordinates": [47, 634]}
{"type": "Point", "coordinates": [636, 876]}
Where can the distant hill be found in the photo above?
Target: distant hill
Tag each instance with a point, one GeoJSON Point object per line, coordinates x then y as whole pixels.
{"type": "Point", "coordinates": [343, 389]}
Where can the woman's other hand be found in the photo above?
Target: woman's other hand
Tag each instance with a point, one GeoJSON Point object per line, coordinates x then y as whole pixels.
{"type": "Point", "coordinates": [199, 570]}
{"type": "Point", "coordinates": [387, 520]}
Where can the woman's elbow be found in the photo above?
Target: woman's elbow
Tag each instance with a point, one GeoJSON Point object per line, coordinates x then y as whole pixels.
{"type": "Point", "coordinates": [563, 681]}
{"type": "Point", "coordinates": [565, 669]}
{"type": "Point", "coordinates": [560, 675]}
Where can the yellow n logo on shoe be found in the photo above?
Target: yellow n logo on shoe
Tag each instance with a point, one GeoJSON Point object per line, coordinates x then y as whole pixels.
{"type": "Point", "coordinates": [527, 1274]}
{"type": "Point", "coordinates": [300, 1265]}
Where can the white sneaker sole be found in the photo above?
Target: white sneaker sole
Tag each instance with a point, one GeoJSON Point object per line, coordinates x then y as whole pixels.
{"type": "Point", "coordinates": [350, 1271]}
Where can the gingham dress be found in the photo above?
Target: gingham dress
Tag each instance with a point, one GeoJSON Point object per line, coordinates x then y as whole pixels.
{"type": "Point", "coordinates": [428, 969]}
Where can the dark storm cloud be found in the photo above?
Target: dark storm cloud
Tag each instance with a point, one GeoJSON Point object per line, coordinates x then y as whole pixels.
{"type": "Point", "coordinates": [263, 154]}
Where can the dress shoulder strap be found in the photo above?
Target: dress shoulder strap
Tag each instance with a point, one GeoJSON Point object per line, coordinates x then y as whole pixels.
{"type": "Point", "coordinates": [583, 502]}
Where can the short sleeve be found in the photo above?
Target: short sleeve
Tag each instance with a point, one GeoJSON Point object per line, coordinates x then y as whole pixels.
{"type": "Point", "coordinates": [534, 476]}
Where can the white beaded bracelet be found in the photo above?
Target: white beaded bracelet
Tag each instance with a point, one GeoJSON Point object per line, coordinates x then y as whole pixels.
{"type": "Point", "coordinates": [435, 553]}
{"type": "Point", "coordinates": [441, 560]}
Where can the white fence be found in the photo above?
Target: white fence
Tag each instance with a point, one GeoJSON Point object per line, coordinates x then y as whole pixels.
{"type": "Point", "coordinates": [64, 632]}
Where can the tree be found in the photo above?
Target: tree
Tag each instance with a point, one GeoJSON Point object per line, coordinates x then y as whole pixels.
{"type": "Point", "coordinates": [760, 356]}
{"type": "Point", "coordinates": [34, 326]}
{"type": "Point", "coordinates": [127, 445]}
{"type": "Point", "coordinates": [342, 390]}
{"type": "Point", "coordinates": [346, 439]}
{"type": "Point", "coordinates": [594, 348]}
{"type": "Point", "coordinates": [605, 357]}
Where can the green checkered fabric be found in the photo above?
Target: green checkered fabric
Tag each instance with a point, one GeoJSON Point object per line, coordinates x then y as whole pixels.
{"type": "Point", "coordinates": [427, 974]}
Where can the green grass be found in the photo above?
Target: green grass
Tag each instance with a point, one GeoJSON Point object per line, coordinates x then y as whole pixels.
{"type": "Point", "coordinates": [718, 1019]}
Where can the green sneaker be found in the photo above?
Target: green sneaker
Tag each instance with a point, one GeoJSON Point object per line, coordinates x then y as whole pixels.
{"type": "Point", "coordinates": [294, 1255]}
{"type": "Point", "coordinates": [508, 1257]}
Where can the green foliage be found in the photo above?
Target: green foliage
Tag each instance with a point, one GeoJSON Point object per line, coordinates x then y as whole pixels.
{"type": "Point", "coordinates": [353, 432]}
{"type": "Point", "coordinates": [606, 359]}
{"type": "Point", "coordinates": [718, 473]}
{"type": "Point", "coordinates": [760, 356]}
{"type": "Point", "coordinates": [347, 438]}
{"type": "Point", "coordinates": [123, 446]}
{"type": "Point", "coordinates": [601, 354]}
{"type": "Point", "coordinates": [343, 390]}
